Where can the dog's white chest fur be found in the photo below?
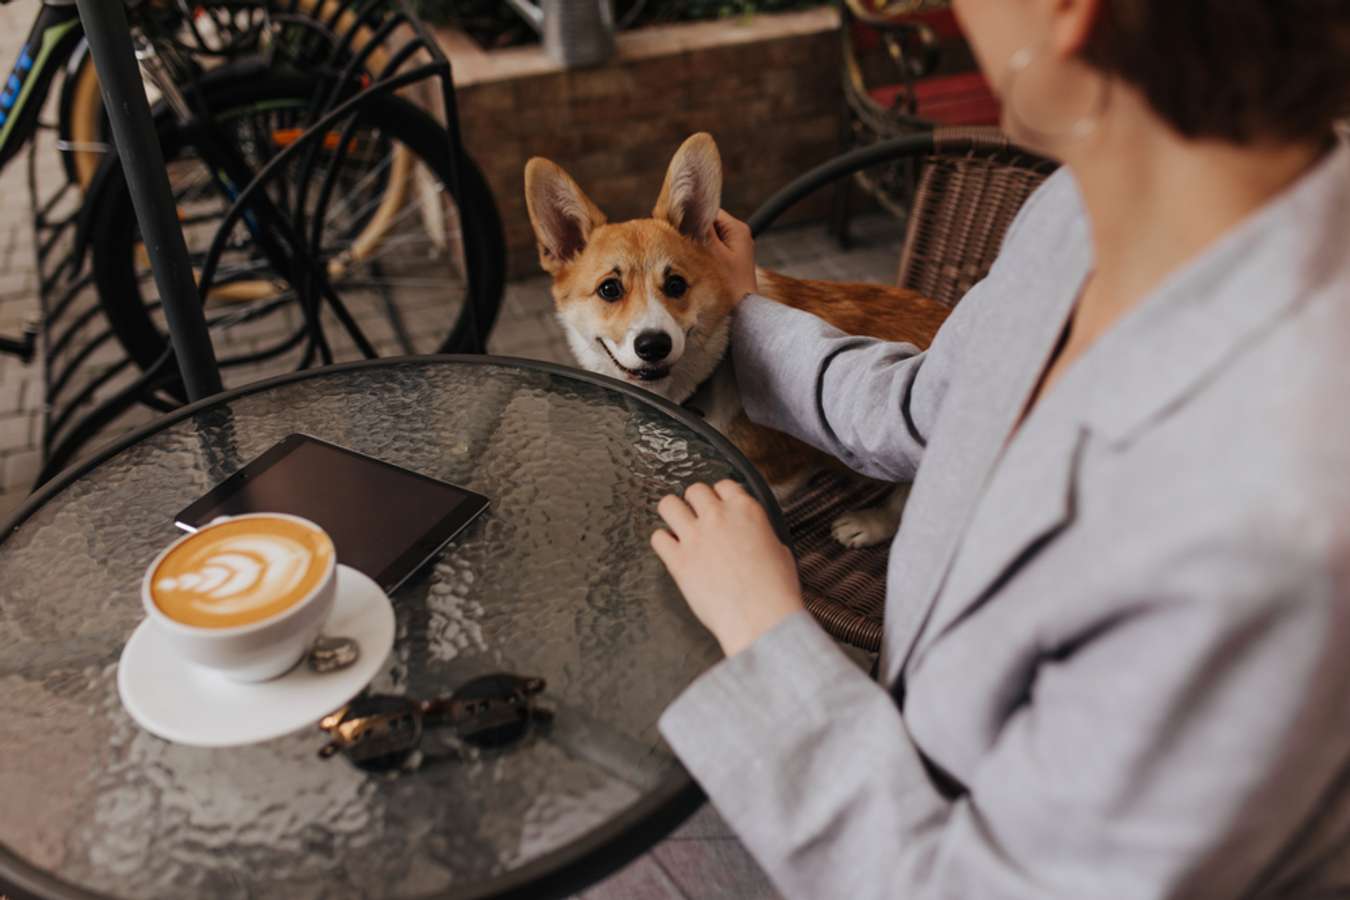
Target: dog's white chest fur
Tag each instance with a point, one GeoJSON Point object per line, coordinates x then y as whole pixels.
{"type": "Point", "coordinates": [718, 400]}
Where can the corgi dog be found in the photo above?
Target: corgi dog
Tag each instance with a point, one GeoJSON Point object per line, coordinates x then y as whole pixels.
{"type": "Point", "coordinates": [644, 302]}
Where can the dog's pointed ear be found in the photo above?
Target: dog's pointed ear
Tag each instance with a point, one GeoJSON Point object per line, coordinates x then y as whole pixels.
{"type": "Point", "coordinates": [692, 193]}
{"type": "Point", "coordinates": [562, 215]}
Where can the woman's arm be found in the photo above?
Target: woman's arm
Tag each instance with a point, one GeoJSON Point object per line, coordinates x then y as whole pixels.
{"type": "Point", "coordinates": [1174, 752]}
{"type": "Point", "coordinates": [869, 403]}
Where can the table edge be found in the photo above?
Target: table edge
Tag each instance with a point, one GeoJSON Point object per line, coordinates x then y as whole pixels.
{"type": "Point", "coordinates": [558, 874]}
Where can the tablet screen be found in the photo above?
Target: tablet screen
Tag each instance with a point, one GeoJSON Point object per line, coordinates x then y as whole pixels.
{"type": "Point", "coordinates": [385, 520]}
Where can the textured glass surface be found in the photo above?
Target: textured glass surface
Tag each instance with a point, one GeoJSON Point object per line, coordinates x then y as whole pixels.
{"type": "Point", "coordinates": [556, 580]}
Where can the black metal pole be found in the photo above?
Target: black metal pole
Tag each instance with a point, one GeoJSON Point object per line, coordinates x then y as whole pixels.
{"type": "Point", "coordinates": [105, 27]}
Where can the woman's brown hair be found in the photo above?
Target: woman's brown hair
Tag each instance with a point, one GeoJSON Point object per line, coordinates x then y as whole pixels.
{"type": "Point", "coordinates": [1234, 70]}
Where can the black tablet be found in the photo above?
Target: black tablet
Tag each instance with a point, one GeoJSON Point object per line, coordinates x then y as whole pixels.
{"type": "Point", "coordinates": [385, 521]}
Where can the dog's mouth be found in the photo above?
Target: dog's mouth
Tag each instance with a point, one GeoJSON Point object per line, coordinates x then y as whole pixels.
{"type": "Point", "coordinates": [646, 373]}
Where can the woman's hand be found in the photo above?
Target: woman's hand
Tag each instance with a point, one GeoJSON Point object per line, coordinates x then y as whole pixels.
{"type": "Point", "coordinates": [734, 249]}
{"type": "Point", "coordinates": [736, 575]}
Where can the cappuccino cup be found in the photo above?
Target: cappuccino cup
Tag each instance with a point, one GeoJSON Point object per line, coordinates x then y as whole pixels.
{"type": "Point", "coordinates": [245, 595]}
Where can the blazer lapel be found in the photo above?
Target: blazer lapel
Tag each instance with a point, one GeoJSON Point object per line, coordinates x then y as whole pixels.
{"type": "Point", "coordinates": [998, 382]}
{"type": "Point", "coordinates": [1029, 500]}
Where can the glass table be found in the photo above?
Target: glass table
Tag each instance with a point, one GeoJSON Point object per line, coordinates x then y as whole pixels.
{"type": "Point", "coordinates": [555, 580]}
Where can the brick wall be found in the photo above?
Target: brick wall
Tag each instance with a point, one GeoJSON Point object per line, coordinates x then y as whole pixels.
{"type": "Point", "coordinates": [767, 88]}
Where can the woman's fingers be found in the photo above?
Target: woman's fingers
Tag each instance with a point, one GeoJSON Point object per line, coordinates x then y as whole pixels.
{"type": "Point", "coordinates": [722, 225]}
{"type": "Point", "coordinates": [665, 545]}
{"type": "Point", "coordinates": [676, 513]}
{"type": "Point", "coordinates": [701, 498]}
{"type": "Point", "coordinates": [699, 501]}
{"type": "Point", "coordinates": [728, 489]}
{"type": "Point", "coordinates": [731, 230]}
{"type": "Point", "coordinates": [733, 246]}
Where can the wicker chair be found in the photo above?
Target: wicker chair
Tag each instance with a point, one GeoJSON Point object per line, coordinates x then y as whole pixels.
{"type": "Point", "coordinates": [907, 69]}
{"type": "Point", "coordinates": [971, 183]}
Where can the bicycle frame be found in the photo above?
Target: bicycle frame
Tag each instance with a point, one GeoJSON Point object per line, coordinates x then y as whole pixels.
{"type": "Point", "coordinates": [54, 41]}
{"type": "Point", "coordinates": [55, 34]}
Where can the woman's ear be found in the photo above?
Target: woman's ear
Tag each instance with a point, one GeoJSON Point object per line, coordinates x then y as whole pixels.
{"type": "Point", "coordinates": [1072, 24]}
{"type": "Point", "coordinates": [562, 215]}
{"type": "Point", "coordinates": [692, 193]}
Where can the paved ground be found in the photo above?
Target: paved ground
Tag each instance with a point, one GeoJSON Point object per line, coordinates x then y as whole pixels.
{"type": "Point", "coordinates": [20, 394]}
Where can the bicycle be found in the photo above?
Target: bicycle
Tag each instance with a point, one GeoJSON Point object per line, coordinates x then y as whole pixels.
{"type": "Point", "coordinates": [416, 163]}
{"type": "Point", "coordinates": [301, 193]}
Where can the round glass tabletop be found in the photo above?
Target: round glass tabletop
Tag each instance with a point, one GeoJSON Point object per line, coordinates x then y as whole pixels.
{"type": "Point", "coordinates": [555, 580]}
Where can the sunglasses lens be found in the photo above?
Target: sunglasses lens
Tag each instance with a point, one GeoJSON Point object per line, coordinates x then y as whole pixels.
{"type": "Point", "coordinates": [494, 710]}
{"type": "Point", "coordinates": [380, 732]}
{"type": "Point", "coordinates": [377, 733]}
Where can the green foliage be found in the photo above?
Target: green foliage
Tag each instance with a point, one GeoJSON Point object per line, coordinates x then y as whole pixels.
{"type": "Point", "coordinates": [493, 23]}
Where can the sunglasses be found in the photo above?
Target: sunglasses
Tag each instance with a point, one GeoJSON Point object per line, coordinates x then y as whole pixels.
{"type": "Point", "coordinates": [380, 732]}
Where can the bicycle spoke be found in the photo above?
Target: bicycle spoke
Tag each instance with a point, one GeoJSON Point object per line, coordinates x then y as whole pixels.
{"type": "Point", "coordinates": [360, 185]}
{"type": "Point", "coordinates": [411, 242]}
{"type": "Point", "coordinates": [403, 215]}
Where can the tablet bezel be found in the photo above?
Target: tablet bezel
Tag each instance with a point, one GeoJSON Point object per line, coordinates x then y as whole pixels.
{"type": "Point", "coordinates": [418, 553]}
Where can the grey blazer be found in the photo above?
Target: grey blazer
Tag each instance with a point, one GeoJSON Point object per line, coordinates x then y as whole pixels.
{"type": "Point", "coordinates": [1117, 649]}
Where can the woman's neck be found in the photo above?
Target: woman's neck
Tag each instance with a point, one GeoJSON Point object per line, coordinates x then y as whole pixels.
{"type": "Point", "coordinates": [1155, 200]}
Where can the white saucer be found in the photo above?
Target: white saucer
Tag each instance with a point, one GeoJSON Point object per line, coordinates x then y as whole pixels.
{"type": "Point", "coordinates": [187, 704]}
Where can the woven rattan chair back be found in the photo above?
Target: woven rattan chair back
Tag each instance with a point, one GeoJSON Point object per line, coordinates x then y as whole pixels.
{"type": "Point", "coordinates": [969, 192]}
{"type": "Point", "coordinates": [970, 187]}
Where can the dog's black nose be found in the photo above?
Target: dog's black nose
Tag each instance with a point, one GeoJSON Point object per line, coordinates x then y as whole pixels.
{"type": "Point", "coordinates": [652, 346]}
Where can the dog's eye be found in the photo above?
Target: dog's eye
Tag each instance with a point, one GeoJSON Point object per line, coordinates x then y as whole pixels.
{"type": "Point", "coordinates": [610, 289]}
{"type": "Point", "coordinates": [675, 286]}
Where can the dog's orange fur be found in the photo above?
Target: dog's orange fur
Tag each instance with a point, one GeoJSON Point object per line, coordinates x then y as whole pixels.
{"type": "Point", "coordinates": [875, 310]}
{"type": "Point", "coordinates": [581, 250]}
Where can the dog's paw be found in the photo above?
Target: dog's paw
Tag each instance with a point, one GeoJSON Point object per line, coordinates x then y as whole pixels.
{"type": "Point", "coordinates": [865, 527]}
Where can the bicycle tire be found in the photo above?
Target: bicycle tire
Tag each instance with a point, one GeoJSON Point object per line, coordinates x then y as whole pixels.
{"type": "Point", "coordinates": [112, 228]}
{"type": "Point", "coordinates": [81, 122]}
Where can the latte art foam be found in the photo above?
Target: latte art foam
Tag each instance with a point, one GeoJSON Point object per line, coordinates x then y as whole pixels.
{"type": "Point", "coordinates": [240, 571]}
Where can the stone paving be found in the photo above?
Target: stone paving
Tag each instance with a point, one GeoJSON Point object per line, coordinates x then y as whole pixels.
{"type": "Point", "coordinates": [20, 387]}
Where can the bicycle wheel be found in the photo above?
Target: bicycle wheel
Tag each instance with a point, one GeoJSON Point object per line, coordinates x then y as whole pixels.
{"type": "Point", "coordinates": [208, 33]}
{"type": "Point", "coordinates": [390, 238]}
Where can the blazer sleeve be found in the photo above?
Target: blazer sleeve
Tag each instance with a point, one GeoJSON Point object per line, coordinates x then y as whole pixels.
{"type": "Point", "coordinates": [1174, 753]}
{"type": "Point", "coordinates": [867, 402]}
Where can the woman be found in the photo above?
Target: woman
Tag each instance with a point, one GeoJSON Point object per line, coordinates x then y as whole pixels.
{"type": "Point", "coordinates": [1117, 650]}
